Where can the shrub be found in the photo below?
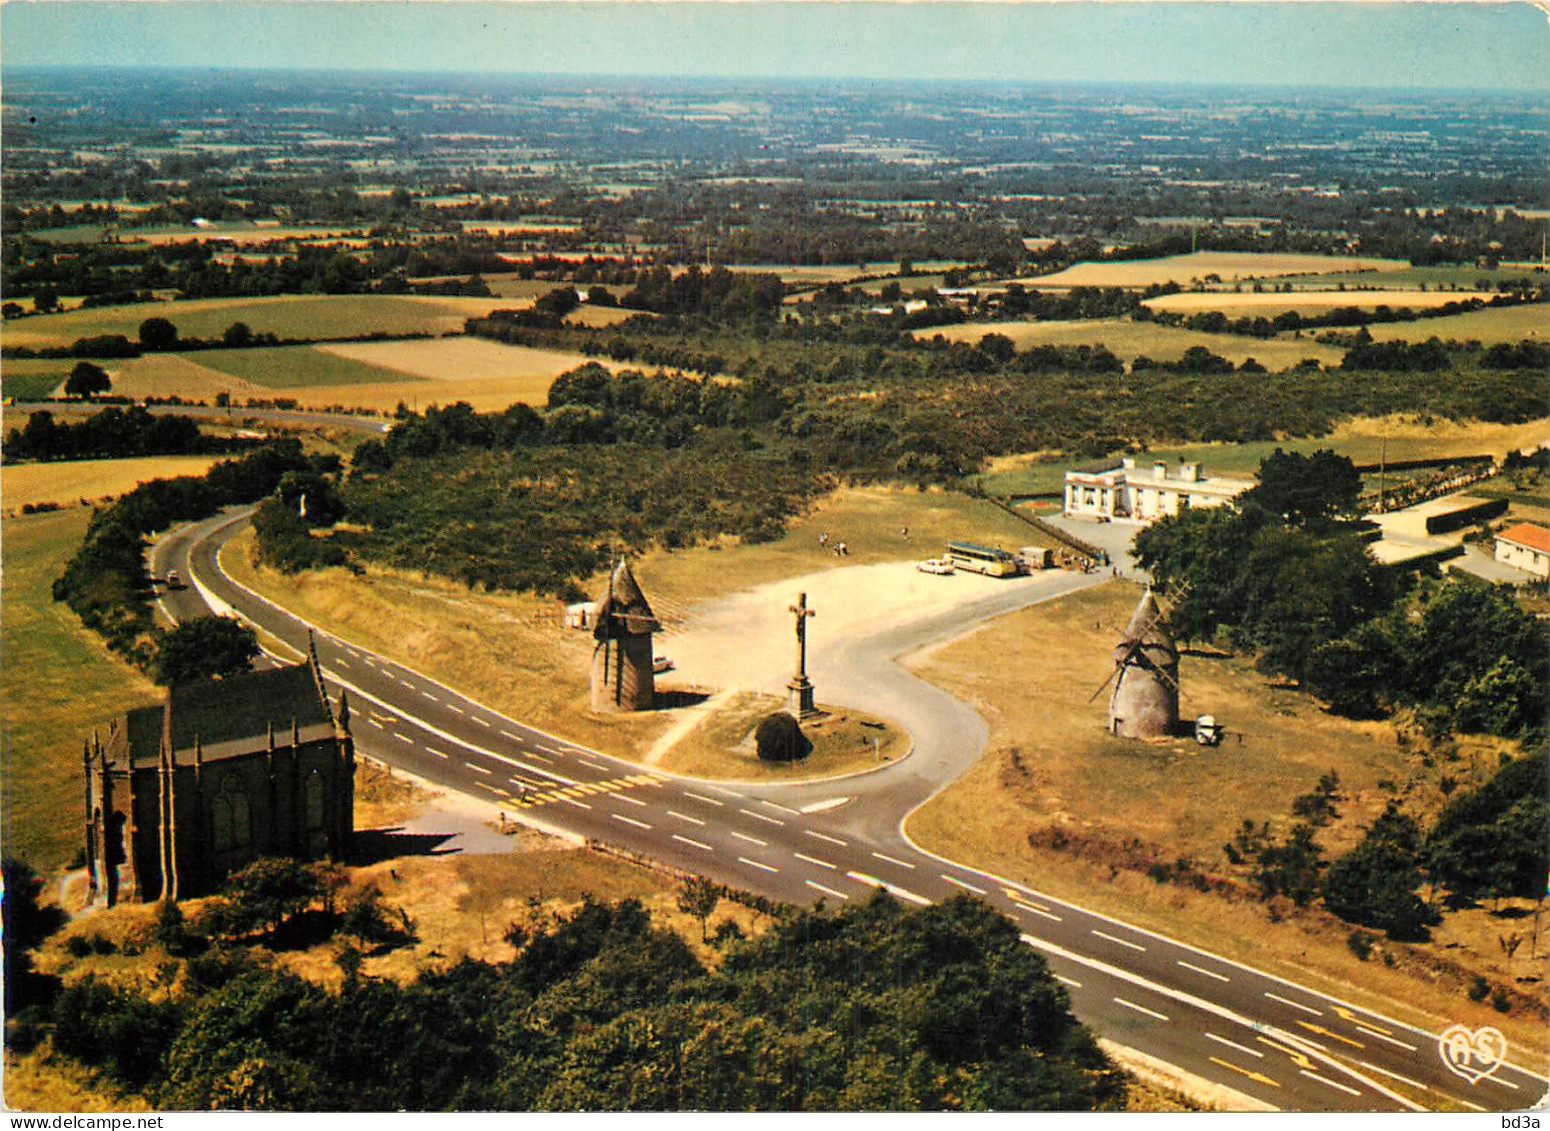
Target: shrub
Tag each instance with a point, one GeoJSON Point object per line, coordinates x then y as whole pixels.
{"type": "Point", "coordinates": [1360, 943]}
{"type": "Point", "coordinates": [1478, 989]}
{"type": "Point", "coordinates": [1500, 1001]}
{"type": "Point", "coordinates": [780, 739]}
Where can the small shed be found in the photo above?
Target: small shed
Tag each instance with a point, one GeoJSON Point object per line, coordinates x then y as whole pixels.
{"type": "Point", "coordinates": [1525, 546]}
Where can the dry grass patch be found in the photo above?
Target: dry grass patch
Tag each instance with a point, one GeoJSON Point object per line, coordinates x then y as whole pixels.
{"type": "Point", "coordinates": [1226, 265]}
{"type": "Point", "coordinates": [1059, 803]}
{"type": "Point", "coordinates": [69, 481]}
{"type": "Point", "coordinates": [509, 651]}
{"type": "Point", "coordinates": [42, 1081]}
{"type": "Point", "coordinates": [177, 375]}
{"type": "Point", "coordinates": [722, 745]}
{"type": "Point", "coordinates": [1234, 304]}
{"type": "Point", "coordinates": [869, 520]}
{"type": "Point", "coordinates": [1129, 340]}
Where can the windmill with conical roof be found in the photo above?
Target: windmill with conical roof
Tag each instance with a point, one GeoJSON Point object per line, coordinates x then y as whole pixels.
{"type": "Point", "coordinates": [622, 678]}
{"type": "Point", "coordinates": [1145, 699]}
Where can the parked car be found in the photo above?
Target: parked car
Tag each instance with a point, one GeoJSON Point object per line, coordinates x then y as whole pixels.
{"type": "Point", "coordinates": [173, 580]}
{"type": "Point", "coordinates": [660, 664]}
{"type": "Point", "coordinates": [937, 565]}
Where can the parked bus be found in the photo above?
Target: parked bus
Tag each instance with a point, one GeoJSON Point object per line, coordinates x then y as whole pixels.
{"type": "Point", "coordinates": [982, 559]}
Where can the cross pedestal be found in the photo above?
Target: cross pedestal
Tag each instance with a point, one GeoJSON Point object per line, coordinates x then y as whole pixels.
{"type": "Point", "coordinates": [799, 692]}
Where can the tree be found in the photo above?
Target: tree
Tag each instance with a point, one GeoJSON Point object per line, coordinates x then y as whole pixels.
{"type": "Point", "coordinates": [1304, 490]}
{"type": "Point", "coordinates": [1375, 883]}
{"type": "Point", "coordinates": [1491, 840]}
{"type": "Point", "coordinates": [699, 897]}
{"type": "Point", "coordinates": [27, 923]}
{"type": "Point", "coordinates": [45, 299]}
{"type": "Point", "coordinates": [87, 380]}
{"type": "Point", "coordinates": [237, 335]}
{"type": "Point", "coordinates": [204, 648]}
{"type": "Point", "coordinates": [1291, 867]}
{"type": "Point", "coordinates": [158, 334]}
{"type": "Point", "coordinates": [265, 894]}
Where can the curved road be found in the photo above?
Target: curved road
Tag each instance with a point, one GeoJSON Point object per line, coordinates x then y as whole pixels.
{"type": "Point", "coordinates": [1280, 1044]}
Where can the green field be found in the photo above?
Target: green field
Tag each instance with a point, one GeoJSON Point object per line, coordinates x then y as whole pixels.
{"type": "Point", "coordinates": [288, 316]}
{"type": "Point", "coordinates": [1448, 278]}
{"type": "Point", "coordinates": [28, 380]}
{"type": "Point", "coordinates": [294, 367]}
{"type": "Point", "coordinates": [58, 682]}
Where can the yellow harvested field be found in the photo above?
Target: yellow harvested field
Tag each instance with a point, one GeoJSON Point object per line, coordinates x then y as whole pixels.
{"type": "Point", "coordinates": [288, 316]}
{"type": "Point", "coordinates": [69, 481]}
{"type": "Point", "coordinates": [243, 236]}
{"type": "Point", "coordinates": [1307, 302]}
{"type": "Point", "coordinates": [600, 315]}
{"type": "Point", "coordinates": [1129, 340]}
{"type": "Point", "coordinates": [170, 374]}
{"type": "Point", "coordinates": [1500, 324]}
{"type": "Point", "coordinates": [518, 227]}
{"type": "Point", "coordinates": [485, 395]}
{"type": "Point", "coordinates": [1227, 265]}
{"type": "Point", "coordinates": [461, 359]}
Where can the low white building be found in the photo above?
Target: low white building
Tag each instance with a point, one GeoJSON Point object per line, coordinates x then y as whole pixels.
{"type": "Point", "coordinates": [1121, 489]}
{"type": "Point", "coordinates": [1526, 547]}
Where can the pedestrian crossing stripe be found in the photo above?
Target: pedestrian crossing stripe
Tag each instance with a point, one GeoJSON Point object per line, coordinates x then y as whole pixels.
{"type": "Point", "coordinates": [555, 793]}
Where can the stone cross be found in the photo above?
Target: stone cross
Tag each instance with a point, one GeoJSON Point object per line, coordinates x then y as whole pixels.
{"type": "Point", "coordinates": [802, 612]}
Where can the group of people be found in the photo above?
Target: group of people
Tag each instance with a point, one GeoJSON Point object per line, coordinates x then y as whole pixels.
{"type": "Point", "coordinates": [839, 549]}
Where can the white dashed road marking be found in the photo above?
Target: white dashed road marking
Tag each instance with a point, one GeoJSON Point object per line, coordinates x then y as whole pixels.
{"type": "Point", "coordinates": [629, 820]}
{"type": "Point", "coordinates": [1142, 1009]}
{"type": "Point", "coordinates": [826, 891]}
{"type": "Point", "coordinates": [1202, 970]}
{"type": "Point", "coordinates": [696, 843]}
{"type": "Point", "coordinates": [1117, 939]}
{"type": "Point", "coordinates": [752, 839]}
{"type": "Point", "coordinates": [960, 883]}
{"type": "Point", "coordinates": [756, 864]}
{"type": "Point", "coordinates": [813, 860]}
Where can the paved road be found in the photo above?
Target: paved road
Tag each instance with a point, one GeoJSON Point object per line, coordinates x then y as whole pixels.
{"type": "Point", "coordinates": [235, 415]}
{"type": "Point", "coordinates": [1281, 1044]}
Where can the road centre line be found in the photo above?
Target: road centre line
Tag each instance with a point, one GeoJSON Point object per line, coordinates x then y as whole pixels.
{"type": "Point", "coordinates": [814, 860]}
{"type": "Point", "coordinates": [404, 738]}
{"type": "Point", "coordinates": [891, 860]}
{"type": "Point", "coordinates": [592, 765]}
{"type": "Point", "coordinates": [724, 792]}
{"type": "Point", "coordinates": [629, 820]}
{"type": "Point", "coordinates": [540, 757]}
{"type": "Point", "coordinates": [431, 697]}
{"type": "Point", "coordinates": [340, 664]}
{"type": "Point", "coordinates": [701, 797]}
{"type": "Point", "coordinates": [684, 817]}
{"type": "Point", "coordinates": [631, 800]}
{"type": "Point", "coordinates": [1117, 939]}
{"type": "Point", "coordinates": [1331, 1083]}
{"type": "Point", "coordinates": [1143, 1009]}
{"type": "Point", "coordinates": [782, 808]}
{"type": "Point", "coordinates": [1476, 1107]}
{"type": "Point", "coordinates": [508, 734]}
{"type": "Point", "coordinates": [455, 707]}
{"type": "Point", "coordinates": [824, 836]}
{"type": "Point", "coordinates": [1072, 982]}
{"type": "Point", "coordinates": [960, 883]}
{"type": "Point", "coordinates": [1397, 1041]}
{"type": "Point", "coordinates": [1234, 1045]}
{"type": "Point", "coordinates": [1293, 1004]}
{"type": "Point", "coordinates": [761, 817]}
{"type": "Point", "coordinates": [752, 839]}
{"type": "Point", "coordinates": [1394, 1076]}
{"type": "Point", "coordinates": [374, 722]}
{"type": "Point", "coordinates": [826, 891]}
{"type": "Point", "coordinates": [573, 801]}
{"type": "Point", "coordinates": [433, 750]}
{"type": "Point", "coordinates": [897, 892]}
{"type": "Point", "coordinates": [478, 769]}
{"type": "Point", "coordinates": [1202, 970]}
{"type": "Point", "coordinates": [756, 864]}
{"type": "Point", "coordinates": [491, 788]}
{"type": "Point", "coordinates": [696, 843]}
{"type": "Point", "coordinates": [1036, 911]}
{"type": "Point", "coordinates": [480, 721]}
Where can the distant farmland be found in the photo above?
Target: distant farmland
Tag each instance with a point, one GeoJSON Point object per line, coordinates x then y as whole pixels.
{"type": "Point", "coordinates": [288, 316]}
{"type": "Point", "coordinates": [1182, 269]}
{"type": "Point", "coordinates": [1129, 340]}
{"type": "Point", "coordinates": [68, 481]}
{"type": "Point", "coordinates": [1502, 324]}
{"type": "Point", "coordinates": [1270, 304]}
{"type": "Point", "coordinates": [291, 367]}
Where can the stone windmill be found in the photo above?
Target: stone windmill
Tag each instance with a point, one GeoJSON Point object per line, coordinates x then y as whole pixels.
{"type": "Point", "coordinates": [1145, 699]}
{"type": "Point", "coordinates": [622, 677]}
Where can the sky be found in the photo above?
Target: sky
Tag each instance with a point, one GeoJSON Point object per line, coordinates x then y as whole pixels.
{"type": "Point", "coordinates": [1404, 44]}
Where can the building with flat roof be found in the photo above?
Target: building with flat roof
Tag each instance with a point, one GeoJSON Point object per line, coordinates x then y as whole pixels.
{"type": "Point", "coordinates": [1526, 547]}
{"type": "Point", "coordinates": [1123, 489]}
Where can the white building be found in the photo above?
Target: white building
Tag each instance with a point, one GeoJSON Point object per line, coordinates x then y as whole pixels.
{"type": "Point", "coordinates": [1121, 489]}
{"type": "Point", "coordinates": [1526, 547]}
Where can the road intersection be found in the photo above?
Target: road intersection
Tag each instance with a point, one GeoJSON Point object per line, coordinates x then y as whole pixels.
{"type": "Point", "coordinates": [1274, 1042]}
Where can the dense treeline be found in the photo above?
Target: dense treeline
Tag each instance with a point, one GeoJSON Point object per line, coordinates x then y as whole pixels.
{"type": "Point", "coordinates": [105, 583]}
{"type": "Point", "coordinates": [114, 434]}
{"type": "Point", "coordinates": [544, 517]}
{"type": "Point", "coordinates": [872, 1008]}
{"type": "Point", "coordinates": [1288, 582]}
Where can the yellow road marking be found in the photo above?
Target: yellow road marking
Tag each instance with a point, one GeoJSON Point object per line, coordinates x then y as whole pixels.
{"type": "Point", "coordinates": [1297, 1058]}
{"type": "Point", "coordinates": [1335, 1036]}
{"type": "Point", "coordinates": [1346, 1014]}
{"type": "Point", "coordinates": [1261, 1077]}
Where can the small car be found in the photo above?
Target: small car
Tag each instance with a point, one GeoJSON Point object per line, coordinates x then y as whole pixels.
{"type": "Point", "coordinates": [660, 664]}
{"type": "Point", "coordinates": [937, 565]}
{"type": "Point", "coordinates": [173, 580]}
